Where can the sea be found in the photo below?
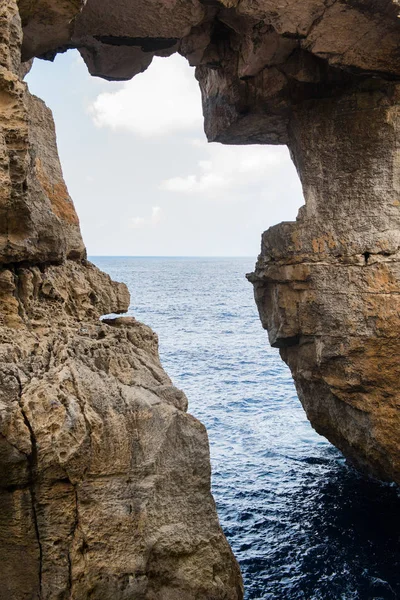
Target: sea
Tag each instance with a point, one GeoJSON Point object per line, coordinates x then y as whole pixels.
{"type": "Point", "coordinates": [302, 523]}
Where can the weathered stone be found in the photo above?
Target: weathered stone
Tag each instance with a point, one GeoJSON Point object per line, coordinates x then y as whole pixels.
{"type": "Point", "coordinates": [328, 286]}
{"type": "Point", "coordinates": [37, 218]}
{"type": "Point", "coordinates": [48, 24]}
{"type": "Point", "coordinates": [120, 44]}
{"type": "Point", "coordinates": [122, 61]}
{"type": "Point", "coordinates": [105, 479]}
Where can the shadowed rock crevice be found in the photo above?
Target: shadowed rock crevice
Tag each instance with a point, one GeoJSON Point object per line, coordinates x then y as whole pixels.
{"type": "Point", "coordinates": [146, 44]}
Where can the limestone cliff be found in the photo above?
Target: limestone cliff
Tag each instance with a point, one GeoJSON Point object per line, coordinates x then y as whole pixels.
{"type": "Point", "coordinates": [105, 476]}
{"type": "Point", "coordinates": [328, 285]}
{"type": "Point", "coordinates": [37, 218]}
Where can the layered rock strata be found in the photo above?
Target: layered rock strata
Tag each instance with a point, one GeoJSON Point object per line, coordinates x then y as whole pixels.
{"type": "Point", "coordinates": [104, 476]}
{"type": "Point", "coordinates": [328, 285]}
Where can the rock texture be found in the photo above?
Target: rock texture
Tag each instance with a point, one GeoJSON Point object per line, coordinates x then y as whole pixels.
{"type": "Point", "coordinates": [321, 76]}
{"type": "Point", "coordinates": [37, 218]}
{"type": "Point", "coordinates": [328, 285]}
{"type": "Point", "coordinates": [105, 477]}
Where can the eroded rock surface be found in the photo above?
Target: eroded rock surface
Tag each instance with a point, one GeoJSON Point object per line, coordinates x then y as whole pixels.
{"type": "Point", "coordinates": [104, 476]}
{"type": "Point", "coordinates": [327, 286]}
{"type": "Point", "coordinates": [255, 59]}
{"type": "Point", "coordinates": [38, 222]}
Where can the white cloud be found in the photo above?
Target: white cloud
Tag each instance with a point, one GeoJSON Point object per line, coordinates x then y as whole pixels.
{"type": "Point", "coordinates": [137, 222]}
{"type": "Point", "coordinates": [206, 182]}
{"type": "Point", "coordinates": [155, 215]}
{"type": "Point", "coordinates": [152, 221]}
{"type": "Point", "coordinates": [165, 99]}
{"type": "Point", "coordinates": [228, 167]}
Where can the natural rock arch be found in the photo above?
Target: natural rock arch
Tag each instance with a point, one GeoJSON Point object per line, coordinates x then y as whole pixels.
{"type": "Point", "coordinates": [86, 412]}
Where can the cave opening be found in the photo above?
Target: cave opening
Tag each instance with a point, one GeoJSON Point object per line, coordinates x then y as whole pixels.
{"type": "Point", "coordinates": [150, 187]}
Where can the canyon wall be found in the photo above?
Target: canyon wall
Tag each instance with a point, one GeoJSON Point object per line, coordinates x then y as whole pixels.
{"type": "Point", "coordinates": [105, 488]}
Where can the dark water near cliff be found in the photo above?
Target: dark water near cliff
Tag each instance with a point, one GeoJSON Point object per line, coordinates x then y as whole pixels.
{"type": "Point", "coordinates": [301, 522]}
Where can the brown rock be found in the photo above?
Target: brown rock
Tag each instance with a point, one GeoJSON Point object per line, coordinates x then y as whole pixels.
{"type": "Point", "coordinates": [105, 479]}
{"type": "Point", "coordinates": [121, 44]}
{"type": "Point", "coordinates": [47, 24]}
{"type": "Point", "coordinates": [327, 286]}
{"type": "Point", "coordinates": [38, 222]}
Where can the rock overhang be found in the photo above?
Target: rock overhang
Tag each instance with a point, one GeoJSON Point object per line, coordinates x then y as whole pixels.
{"type": "Point", "coordinates": [254, 61]}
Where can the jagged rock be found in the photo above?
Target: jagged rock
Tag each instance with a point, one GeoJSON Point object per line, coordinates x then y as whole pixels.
{"type": "Point", "coordinates": [47, 24]}
{"type": "Point", "coordinates": [105, 478]}
{"type": "Point", "coordinates": [38, 222]}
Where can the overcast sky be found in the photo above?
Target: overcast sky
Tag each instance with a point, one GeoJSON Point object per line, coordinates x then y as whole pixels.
{"type": "Point", "coordinates": [144, 180]}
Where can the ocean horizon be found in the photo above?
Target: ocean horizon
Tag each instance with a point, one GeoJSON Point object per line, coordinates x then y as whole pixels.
{"type": "Point", "coordinates": [95, 256]}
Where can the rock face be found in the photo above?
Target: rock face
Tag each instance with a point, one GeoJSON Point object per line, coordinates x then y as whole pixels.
{"type": "Point", "coordinates": [104, 476]}
{"type": "Point", "coordinates": [327, 286]}
{"type": "Point", "coordinates": [105, 487]}
{"type": "Point", "coordinates": [105, 479]}
{"type": "Point", "coordinates": [37, 218]}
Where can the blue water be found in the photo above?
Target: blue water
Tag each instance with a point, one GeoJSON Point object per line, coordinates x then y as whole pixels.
{"type": "Point", "coordinates": [302, 523]}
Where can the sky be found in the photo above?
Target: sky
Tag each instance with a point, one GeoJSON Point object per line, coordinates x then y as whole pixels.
{"type": "Point", "coordinates": [143, 178]}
